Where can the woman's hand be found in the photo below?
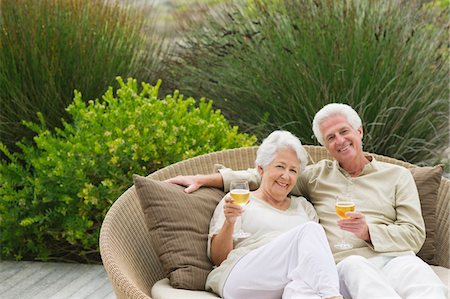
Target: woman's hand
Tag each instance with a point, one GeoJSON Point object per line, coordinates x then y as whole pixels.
{"type": "Point", "coordinates": [222, 243]}
{"type": "Point", "coordinates": [231, 210]}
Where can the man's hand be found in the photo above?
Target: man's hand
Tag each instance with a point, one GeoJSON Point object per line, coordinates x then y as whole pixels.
{"type": "Point", "coordinates": [356, 224]}
{"type": "Point", "coordinates": [192, 182]}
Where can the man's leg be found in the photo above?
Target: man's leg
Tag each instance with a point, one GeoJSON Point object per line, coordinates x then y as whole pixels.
{"type": "Point", "coordinates": [413, 278]}
{"type": "Point", "coordinates": [362, 278]}
{"type": "Point", "coordinates": [301, 254]}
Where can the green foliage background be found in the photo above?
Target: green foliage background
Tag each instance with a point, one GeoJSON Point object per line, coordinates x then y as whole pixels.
{"type": "Point", "coordinates": [55, 192]}
{"type": "Point", "coordinates": [274, 64]}
{"type": "Point", "coordinates": [48, 48]}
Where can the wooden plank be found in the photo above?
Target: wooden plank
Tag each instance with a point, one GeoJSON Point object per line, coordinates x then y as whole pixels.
{"type": "Point", "coordinates": [36, 280]}
{"type": "Point", "coordinates": [15, 279]}
{"type": "Point", "coordinates": [92, 291]}
{"type": "Point", "coordinates": [9, 268]}
{"type": "Point", "coordinates": [20, 289]}
{"type": "Point", "coordinates": [110, 295]}
{"type": "Point", "coordinates": [83, 281]}
{"type": "Point", "coordinates": [58, 276]}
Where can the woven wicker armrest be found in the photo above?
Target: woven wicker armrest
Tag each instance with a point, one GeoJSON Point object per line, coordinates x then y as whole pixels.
{"type": "Point", "coordinates": [442, 257]}
{"type": "Point", "coordinates": [127, 253]}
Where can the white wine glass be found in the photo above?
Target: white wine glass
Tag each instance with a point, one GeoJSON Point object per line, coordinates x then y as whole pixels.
{"type": "Point", "coordinates": [344, 205]}
{"type": "Point", "coordinates": [240, 193]}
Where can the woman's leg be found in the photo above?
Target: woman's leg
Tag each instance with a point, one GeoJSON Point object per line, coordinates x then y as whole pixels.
{"type": "Point", "coordinates": [297, 264]}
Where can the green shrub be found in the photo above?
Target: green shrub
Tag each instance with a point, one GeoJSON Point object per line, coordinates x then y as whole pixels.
{"type": "Point", "coordinates": [48, 48]}
{"type": "Point", "coordinates": [288, 58]}
{"type": "Point", "coordinates": [55, 193]}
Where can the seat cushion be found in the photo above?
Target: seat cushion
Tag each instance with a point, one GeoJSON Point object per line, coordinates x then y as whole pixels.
{"type": "Point", "coordinates": [162, 290]}
{"type": "Point", "coordinates": [443, 273]}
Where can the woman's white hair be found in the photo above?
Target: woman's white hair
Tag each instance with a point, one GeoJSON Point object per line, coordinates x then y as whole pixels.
{"type": "Point", "coordinates": [280, 140]}
{"type": "Point", "coordinates": [331, 110]}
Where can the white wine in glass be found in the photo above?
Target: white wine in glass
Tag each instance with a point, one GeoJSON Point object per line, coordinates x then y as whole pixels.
{"type": "Point", "coordinates": [344, 205]}
{"type": "Point", "coordinates": [240, 193]}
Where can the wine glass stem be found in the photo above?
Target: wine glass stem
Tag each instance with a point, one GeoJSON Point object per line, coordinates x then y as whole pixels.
{"type": "Point", "coordinates": [343, 237]}
{"type": "Point", "coordinates": [240, 224]}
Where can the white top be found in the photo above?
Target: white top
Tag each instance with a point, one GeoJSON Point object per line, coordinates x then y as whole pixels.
{"type": "Point", "coordinates": [264, 222]}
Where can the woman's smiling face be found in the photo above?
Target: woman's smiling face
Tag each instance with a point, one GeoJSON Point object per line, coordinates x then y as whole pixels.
{"type": "Point", "coordinates": [280, 175]}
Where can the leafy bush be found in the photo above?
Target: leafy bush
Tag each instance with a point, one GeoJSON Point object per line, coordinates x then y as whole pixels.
{"type": "Point", "coordinates": [48, 48]}
{"type": "Point", "coordinates": [55, 193]}
{"type": "Point", "coordinates": [274, 64]}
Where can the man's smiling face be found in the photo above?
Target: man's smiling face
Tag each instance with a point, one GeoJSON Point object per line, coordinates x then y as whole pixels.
{"type": "Point", "coordinates": [342, 141]}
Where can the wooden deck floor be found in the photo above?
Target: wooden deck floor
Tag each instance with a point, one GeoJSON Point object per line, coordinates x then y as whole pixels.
{"type": "Point", "coordinates": [53, 281]}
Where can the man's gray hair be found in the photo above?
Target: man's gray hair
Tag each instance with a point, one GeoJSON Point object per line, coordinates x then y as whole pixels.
{"type": "Point", "coordinates": [280, 140]}
{"type": "Point", "coordinates": [331, 110]}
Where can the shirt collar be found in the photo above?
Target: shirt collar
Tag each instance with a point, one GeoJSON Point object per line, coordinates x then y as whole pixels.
{"type": "Point", "coordinates": [368, 168]}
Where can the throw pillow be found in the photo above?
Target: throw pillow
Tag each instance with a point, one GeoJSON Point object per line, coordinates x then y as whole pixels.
{"type": "Point", "coordinates": [428, 180]}
{"type": "Point", "coordinates": [179, 223]}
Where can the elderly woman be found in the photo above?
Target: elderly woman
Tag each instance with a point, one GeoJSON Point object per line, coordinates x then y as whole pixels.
{"type": "Point", "coordinates": [287, 254]}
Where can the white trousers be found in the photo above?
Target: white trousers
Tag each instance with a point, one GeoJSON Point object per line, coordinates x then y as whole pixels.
{"type": "Point", "coordinates": [297, 264]}
{"type": "Point", "coordinates": [405, 276]}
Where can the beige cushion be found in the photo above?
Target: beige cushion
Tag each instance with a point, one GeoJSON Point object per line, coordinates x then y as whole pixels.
{"type": "Point", "coordinates": [178, 224]}
{"type": "Point", "coordinates": [163, 290]}
{"type": "Point", "coordinates": [444, 274]}
{"type": "Point", "coordinates": [428, 180]}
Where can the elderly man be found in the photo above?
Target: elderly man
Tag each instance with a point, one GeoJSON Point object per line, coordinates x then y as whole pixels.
{"type": "Point", "coordinates": [387, 228]}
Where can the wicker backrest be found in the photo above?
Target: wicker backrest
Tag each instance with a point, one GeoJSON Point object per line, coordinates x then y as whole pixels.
{"type": "Point", "coordinates": [126, 248]}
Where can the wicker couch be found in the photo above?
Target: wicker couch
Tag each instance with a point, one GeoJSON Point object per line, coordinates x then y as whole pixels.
{"type": "Point", "coordinates": [130, 259]}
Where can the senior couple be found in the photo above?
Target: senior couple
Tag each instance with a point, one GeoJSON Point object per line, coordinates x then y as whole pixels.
{"type": "Point", "coordinates": [288, 253]}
